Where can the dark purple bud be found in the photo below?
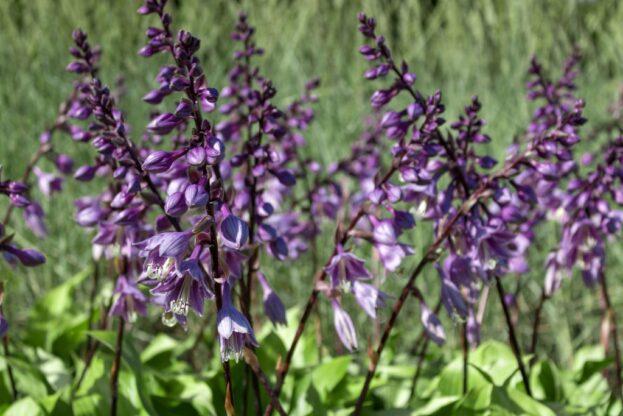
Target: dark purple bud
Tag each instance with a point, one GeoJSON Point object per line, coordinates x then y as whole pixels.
{"type": "Point", "coordinates": [85, 173]}
{"type": "Point", "coordinates": [414, 110]}
{"type": "Point", "coordinates": [27, 256]}
{"type": "Point", "coordinates": [129, 216]}
{"type": "Point", "coordinates": [164, 123]}
{"type": "Point", "coordinates": [179, 83]}
{"type": "Point", "coordinates": [285, 177]}
{"type": "Point", "coordinates": [17, 187]}
{"type": "Point", "coordinates": [78, 67]}
{"type": "Point", "coordinates": [160, 161]}
{"type": "Point", "coordinates": [274, 308]}
{"type": "Point", "coordinates": [278, 249]}
{"type": "Point", "coordinates": [234, 232]}
{"type": "Point", "coordinates": [18, 200]}
{"type": "Point", "coordinates": [88, 217]}
{"type": "Point", "coordinates": [215, 150]}
{"type": "Point", "coordinates": [154, 97]}
{"type": "Point", "coordinates": [196, 156]}
{"type": "Point", "coordinates": [487, 162]}
{"type": "Point", "coordinates": [196, 196]}
{"type": "Point", "coordinates": [64, 164]}
{"type": "Point", "coordinates": [175, 205]}
{"type": "Point", "coordinates": [184, 109]}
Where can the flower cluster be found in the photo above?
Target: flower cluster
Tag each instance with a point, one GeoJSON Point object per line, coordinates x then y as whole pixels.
{"type": "Point", "coordinates": [446, 176]}
{"type": "Point", "coordinates": [224, 206]}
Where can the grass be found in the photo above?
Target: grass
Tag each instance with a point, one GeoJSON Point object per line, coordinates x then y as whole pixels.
{"type": "Point", "coordinates": [461, 47]}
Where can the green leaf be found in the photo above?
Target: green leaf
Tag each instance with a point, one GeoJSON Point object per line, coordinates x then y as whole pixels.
{"type": "Point", "coordinates": [106, 338]}
{"type": "Point", "coordinates": [328, 374]}
{"type": "Point", "coordinates": [23, 407]}
{"type": "Point", "coordinates": [545, 382]}
{"type": "Point", "coordinates": [517, 402]}
{"type": "Point", "coordinates": [476, 401]}
{"type": "Point", "coordinates": [438, 406]}
{"type": "Point", "coordinates": [90, 405]}
{"type": "Point", "coordinates": [54, 370]}
{"type": "Point", "coordinates": [161, 344]}
{"type": "Point", "coordinates": [589, 361]}
{"type": "Point", "coordinates": [59, 299]}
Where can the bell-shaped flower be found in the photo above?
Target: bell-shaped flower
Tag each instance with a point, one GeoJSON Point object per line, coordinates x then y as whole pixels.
{"type": "Point", "coordinates": [160, 161]}
{"type": "Point", "coordinates": [368, 297]}
{"type": "Point", "coordinates": [235, 331]}
{"type": "Point", "coordinates": [33, 216]}
{"type": "Point", "coordinates": [345, 266]}
{"type": "Point", "coordinates": [27, 256]}
{"type": "Point", "coordinates": [451, 296]}
{"type": "Point", "coordinates": [48, 183]}
{"type": "Point", "coordinates": [184, 289]}
{"type": "Point", "coordinates": [129, 300]}
{"type": "Point", "coordinates": [273, 306]}
{"type": "Point", "coordinates": [162, 252]}
{"type": "Point", "coordinates": [234, 232]}
{"type": "Point", "coordinates": [432, 325]}
{"type": "Point", "coordinates": [344, 326]}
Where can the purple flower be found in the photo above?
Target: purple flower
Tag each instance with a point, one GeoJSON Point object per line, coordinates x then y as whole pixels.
{"type": "Point", "coordinates": [234, 329]}
{"type": "Point", "coordinates": [432, 325]}
{"type": "Point", "coordinates": [234, 232]}
{"type": "Point", "coordinates": [175, 204]}
{"type": "Point", "coordinates": [344, 326]}
{"type": "Point", "coordinates": [451, 296]}
{"type": "Point", "coordinates": [27, 256]}
{"type": "Point", "coordinates": [164, 124]}
{"type": "Point", "coordinates": [33, 216]}
{"type": "Point", "coordinates": [162, 251]}
{"type": "Point", "coordinates": [184, 289]}
{"type": "Point", "coordinates": [85, 173]}
{"type": "Point", "coordinates": [48, 183]}
{"type": "Point", "coordinates": [273, 306]}
{"type": "Point", "coordinates": [369, 297]}
{"type": "Point", "coordinates": [64, 164]}
{"type": "Point", "coordinates": [4, 325]}
{"type": "Point", "coordinates": [345, 266]}
{"type": "Point", "coordinates": [160, 161]}
{"type": "Point", "coordinates": [129, 301]}
{"type": "Point", "coordinates": [171, 244]}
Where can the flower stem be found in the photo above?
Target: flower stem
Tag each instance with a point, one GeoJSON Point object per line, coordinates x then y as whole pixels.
{"type": "Point", "coordinates": [512, 336]}
{"type": "Point", "coordinates": [465, 347]}
{"type": "Point", "coordinates": [536, 323]}
{"type": "Point", "coordinates": [114, 373]}
{"type": "Point", "coordinates": [618, 383]}
{"type": "Point", "coordinates": [5, 344]}
{"type": "Point", "coordinates": [421, 354]}
{"type": "Point", "coordinates": [252, 362]}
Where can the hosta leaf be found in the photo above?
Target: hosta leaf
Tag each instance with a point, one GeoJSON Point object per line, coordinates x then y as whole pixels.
{"type": "Point", "coordinates": [23, 407]}
{"type": "Point", "coordinates": [328, 374]}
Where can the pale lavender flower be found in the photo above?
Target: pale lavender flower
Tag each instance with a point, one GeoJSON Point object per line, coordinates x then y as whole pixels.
{"type": "Point", "coordinates": [129, 300]}
{"type": "Point", "coordinates": [235, 331]}
{"type": "Point", "coordinates": [344, 326]}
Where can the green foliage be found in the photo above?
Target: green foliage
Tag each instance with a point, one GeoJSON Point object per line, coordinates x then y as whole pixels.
{"type": "Point", "coordinates": [158, 377]}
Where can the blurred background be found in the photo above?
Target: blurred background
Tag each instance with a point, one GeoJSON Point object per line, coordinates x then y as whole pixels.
{"type": "Point", "coordinates": [461, 47]}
